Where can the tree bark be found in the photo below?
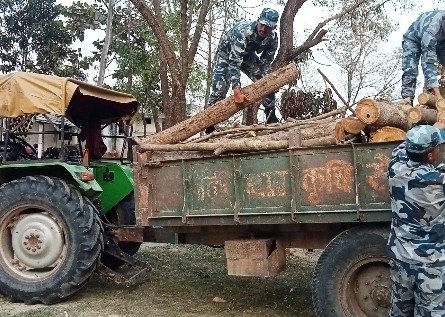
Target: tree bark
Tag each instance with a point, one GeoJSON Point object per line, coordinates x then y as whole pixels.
{"type": "Point", "coordinates": [223, 109]}
{"type": "Point", "coordinates": [386, 134]}
{"type": "Point", "coordinates": [381, 113]}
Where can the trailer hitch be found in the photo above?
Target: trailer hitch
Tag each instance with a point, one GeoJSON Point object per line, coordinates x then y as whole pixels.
{"type": "Point", "coordinates": [140, 269]}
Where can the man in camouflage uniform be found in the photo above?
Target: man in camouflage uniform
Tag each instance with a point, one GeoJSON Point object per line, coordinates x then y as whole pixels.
{"type": "Point", "coordinates": [425, 40]}
{"type": "Point", "coordinates": [416, 243]}
{"type": "Point", "coordinates": [237, 51]}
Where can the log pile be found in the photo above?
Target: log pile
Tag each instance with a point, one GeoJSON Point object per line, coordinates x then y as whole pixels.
{"type": "Point", "coordinates": [373, 121]}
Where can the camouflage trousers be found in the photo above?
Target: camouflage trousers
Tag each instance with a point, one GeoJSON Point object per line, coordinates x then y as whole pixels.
{"type": "Point", "coordinates": [417, 290]}
{"type": "Point", "coordinates": [251, 66]}
{"type": "Point", "coordinates": [413, 52]}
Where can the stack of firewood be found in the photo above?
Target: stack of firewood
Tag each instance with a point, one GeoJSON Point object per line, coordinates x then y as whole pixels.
{"type": "Point", "coordinates": [429, 110]}
{"type": "Point", "coordinates": [373, 121]}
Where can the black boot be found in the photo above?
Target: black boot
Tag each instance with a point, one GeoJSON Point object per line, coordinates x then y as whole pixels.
{"type": "Point", "coordinates": [210, 129]}
{"type": "Point", "coordinates": [270, 115]}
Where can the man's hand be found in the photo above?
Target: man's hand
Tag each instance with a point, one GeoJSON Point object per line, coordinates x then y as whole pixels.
{"type": "Point", "coordinates": [436, 92]}
{"type": "Point", "coordinates": [239, 97]}
{"type": "Point", "coordinates": [439, 125]}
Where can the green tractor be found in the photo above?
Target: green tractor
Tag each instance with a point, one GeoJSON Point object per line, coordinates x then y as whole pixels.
{"type": "Point", "coordinates": [59, 207]}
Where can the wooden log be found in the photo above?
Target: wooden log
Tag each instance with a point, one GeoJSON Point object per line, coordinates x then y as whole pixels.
{"type": "Point", "coordinates": [440, 104]}
{"type": "Point", "coordinates": [427, 99]}
{"type": "Point", "coordinates": [381, 113]}
{"type": "Point", "coordinates": [421, 115]}
{"type": "Point", "coordinates": [223, 109]}
{"type": "Point", "coordinates": [440, 116]}
{"type": "Point", "coordinates": [350, 125]}
{"type": "Point", "coordinates": [386, 134]}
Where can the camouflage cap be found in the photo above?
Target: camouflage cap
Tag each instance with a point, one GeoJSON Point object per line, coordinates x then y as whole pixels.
{"type": "Point", "coordinates": [269, 17]}
{"type": "Point", "coordinates": [423, 138]}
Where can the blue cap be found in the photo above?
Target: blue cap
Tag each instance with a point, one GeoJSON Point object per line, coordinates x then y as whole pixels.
{"type": "Point", "coordinates": [269, 17]}
{"type": "Point", "coordinates": [423, 138]}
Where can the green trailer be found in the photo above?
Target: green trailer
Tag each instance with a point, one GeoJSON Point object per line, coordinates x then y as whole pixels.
{"type": "Point", "coordinates": [257, 204]}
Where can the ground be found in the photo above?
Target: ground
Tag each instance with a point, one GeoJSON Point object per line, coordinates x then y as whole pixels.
{"type": "Point", "coordinates": [188, 281]}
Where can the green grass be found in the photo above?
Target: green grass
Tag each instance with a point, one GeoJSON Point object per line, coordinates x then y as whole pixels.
{"type": "Point", "coordinates": [184, 282]}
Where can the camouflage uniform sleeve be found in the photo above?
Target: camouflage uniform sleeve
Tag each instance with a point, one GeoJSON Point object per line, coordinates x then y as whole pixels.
{"type": "Point", "coordinates": [429, 60]}
{"type": "Point", "coordinates": [268, 54]}
{"type": "Point", "coordinates": [237, 52]}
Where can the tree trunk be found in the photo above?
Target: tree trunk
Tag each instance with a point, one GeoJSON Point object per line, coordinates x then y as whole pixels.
{"type": "Point", "coordinates": [223, 109]}
{"type": "Point", "coordinates": [427, 100]}
{"type": "Point", "coordinates": [422, 115]}
{"type": "Point", "coordinates": [350, 125]}
{"type": "Point", "coordinates": [386, 134]}
{"type": "Point", "coordinates": [381, 113]}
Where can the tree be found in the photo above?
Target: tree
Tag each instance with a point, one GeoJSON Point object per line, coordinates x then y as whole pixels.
{"type": "Point", "coordinates": [34, 38]}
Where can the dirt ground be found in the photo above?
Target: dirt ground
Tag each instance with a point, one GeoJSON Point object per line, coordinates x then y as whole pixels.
{"type": "Point", "coordinates": [188, 281]}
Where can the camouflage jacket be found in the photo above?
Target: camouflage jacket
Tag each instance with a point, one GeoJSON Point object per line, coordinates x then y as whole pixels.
{"type": "Point", "coordinates": [427, 32]}
{"type": "Point", "coordinates": [418, 211]}
{"type": "Point", "coordinates": [242, 39]}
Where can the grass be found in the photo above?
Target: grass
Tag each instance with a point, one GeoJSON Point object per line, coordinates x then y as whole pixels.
{"type": "Point", "coordinates": [184, 283]}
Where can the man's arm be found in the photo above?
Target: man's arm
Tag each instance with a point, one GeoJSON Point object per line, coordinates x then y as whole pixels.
{"type": "Point", "coordinates": [268, 54]}
{"type": "Point", "coordinates": [429, 61]}
{"type": "Point", "coordinates": [237, 52]}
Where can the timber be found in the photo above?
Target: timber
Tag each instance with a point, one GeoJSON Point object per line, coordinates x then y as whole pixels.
{"type": "Point", "coordinates": [380, 113]}
{"type": "Point", "coordinates": [427, 99]}
{"type": "Point", "coordinates": [224, 109]}
{"type": "Point", "coordinates": [422, 115]}
{"type": "Point", "coordinates": [440, 105]}
{"type": "Point", "coordinates": [386, 134]}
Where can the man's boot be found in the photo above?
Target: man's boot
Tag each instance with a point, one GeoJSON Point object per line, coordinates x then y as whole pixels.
{"type": "Point", "coordinates": [210, 129]}
{"type": "Point", "coordinates": [270, 115]}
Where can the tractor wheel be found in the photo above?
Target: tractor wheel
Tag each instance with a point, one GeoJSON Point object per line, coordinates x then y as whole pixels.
{"type": "Point", "coordinates": [351, 277]}
{"type": "Point", "coordinates": [122, 215]}
{"type": "Point", "coordinates": [51, 240]}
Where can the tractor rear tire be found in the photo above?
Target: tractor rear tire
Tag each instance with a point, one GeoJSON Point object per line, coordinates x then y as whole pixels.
{"type": "Point", "coordinates": [51, 240]}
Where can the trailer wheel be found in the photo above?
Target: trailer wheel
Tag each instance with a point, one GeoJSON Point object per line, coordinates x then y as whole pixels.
{"type": "Point", "coordinates": [51, 240]}
{"type": "Point", "coordinates": [351, 278]}
{"type": "Point", "coordinates": [122, 214]}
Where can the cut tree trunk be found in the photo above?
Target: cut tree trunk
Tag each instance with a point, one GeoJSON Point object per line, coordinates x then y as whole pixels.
{"type": "Point", "coordinates": [381, 113]}
{"type": "Point", "coordinates": [386, 134]}
{"type": "Point", "coordinates": [421, 115]}
{"type": "Point", "coordinates": [440, 105]}
{"type": "Point", "coordinates": [223, 109]}
{"type": "Point", "coordinates": [427, 100]}
{"type": "Point", "coordinates": [350, 125]}
{"type": "Point", "coordinates": [440, 116]}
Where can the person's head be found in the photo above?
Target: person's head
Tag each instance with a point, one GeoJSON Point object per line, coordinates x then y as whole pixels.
{"type": "Point", "coordinates": [422, 143]}
{"type": "Point", "coordinates": [267, 22]}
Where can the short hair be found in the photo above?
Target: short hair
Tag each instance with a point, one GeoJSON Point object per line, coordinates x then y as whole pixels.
{"type": "Point", "coordinates": [419, 157]}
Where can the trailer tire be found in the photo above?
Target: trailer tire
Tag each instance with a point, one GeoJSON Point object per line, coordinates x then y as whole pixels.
{"type": "Point", "coordinates": [51, 240]}
{"type": "Point", "coordinates": [122, 214]}
{"type": "Point", "coordinates": [351, 278]}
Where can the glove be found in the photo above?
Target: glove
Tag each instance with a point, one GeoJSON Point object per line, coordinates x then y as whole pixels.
{"type": "Point", "coordinates": [239, 97]}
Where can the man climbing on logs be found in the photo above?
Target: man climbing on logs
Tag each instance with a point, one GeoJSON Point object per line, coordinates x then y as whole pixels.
{"type": "Point", "coordinates": [237, 51]}
{"type": "Point", "coordinates": [425, 40]}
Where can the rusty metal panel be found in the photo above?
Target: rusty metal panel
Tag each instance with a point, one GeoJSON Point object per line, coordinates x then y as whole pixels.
{"type": "Point", "coordinates": [166, 193]}
{"type": "Point", "coordinates": [264, 183]}
{"type": "Point", "coordinates": [325, 178]}
{"type": "Point", "coordinates": [372, 170]}
{"type": "Point", "coordinates": [211, 189]}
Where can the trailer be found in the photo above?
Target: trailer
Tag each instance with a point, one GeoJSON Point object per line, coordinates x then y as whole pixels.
{"type": "Point", "coordinates": [257, 204]}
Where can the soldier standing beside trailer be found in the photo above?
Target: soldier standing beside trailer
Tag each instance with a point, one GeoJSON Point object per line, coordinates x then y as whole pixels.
{"type": "Point", "coordinates": [425, 40]}
{"type": "Point", "coordinates": [237, 51]}
{"type": "Point", "coordinates": [416, 243]}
